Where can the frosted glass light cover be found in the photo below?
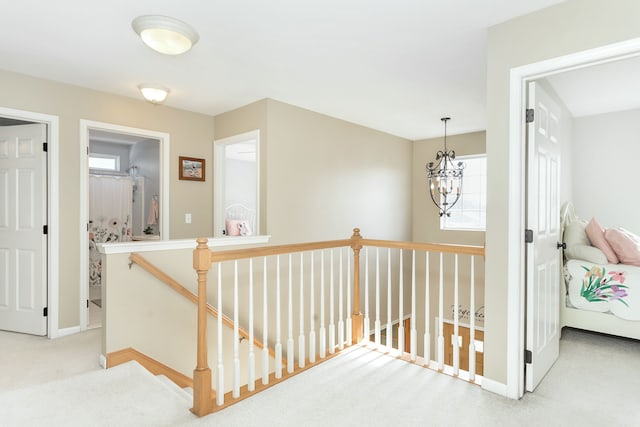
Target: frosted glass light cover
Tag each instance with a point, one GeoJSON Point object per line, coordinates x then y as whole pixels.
{"type": "Point", "coordinates": [164, 34]}
{"type": "Point", "coordinates": [154, 93]}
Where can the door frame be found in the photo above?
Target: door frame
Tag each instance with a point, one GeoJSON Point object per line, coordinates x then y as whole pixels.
{"type": "Point", "coordinates": [53, 211]}
{"type": "Point", "coordinates": [516, 262]}
{"type": "Point", "coordinates": [164, 141]}
{"type": "Point", "coordinates": [220, 181]}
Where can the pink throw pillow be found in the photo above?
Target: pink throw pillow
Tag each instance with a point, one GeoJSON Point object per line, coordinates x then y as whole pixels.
{"type": "Point", "coordinates": [595, 232]}
{"type": "Point", "coordinates": [232, 227]}
{"type": "Point", "coordinates": [625, 244]}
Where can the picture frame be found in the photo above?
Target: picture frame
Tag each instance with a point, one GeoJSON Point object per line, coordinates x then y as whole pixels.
{"type": "Point", "coordinates": [191, 168]}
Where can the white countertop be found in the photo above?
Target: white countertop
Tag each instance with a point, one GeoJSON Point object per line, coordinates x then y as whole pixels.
{"type": "Point", "coordinates": [162, 245]}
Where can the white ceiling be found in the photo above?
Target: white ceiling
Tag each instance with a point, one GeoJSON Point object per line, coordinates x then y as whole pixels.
{"type": "Point", "coordinates": [598, 89]}
{"type": "Point", "coordinates": [396, 66]}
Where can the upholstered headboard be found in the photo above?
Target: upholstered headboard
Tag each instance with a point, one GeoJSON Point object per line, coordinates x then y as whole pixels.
{"type": "Point", "coordinates": [567, 215]}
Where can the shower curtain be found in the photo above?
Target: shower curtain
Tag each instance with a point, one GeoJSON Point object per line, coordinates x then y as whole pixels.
{"type": "Point", "coordinates": [110, 209]}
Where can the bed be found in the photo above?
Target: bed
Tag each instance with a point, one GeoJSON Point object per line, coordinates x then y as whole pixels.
{"type": "Point", "coordinates": [598, 296]}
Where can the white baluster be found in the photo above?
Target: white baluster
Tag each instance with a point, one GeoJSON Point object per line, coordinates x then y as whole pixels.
{"type": "Point", "coordinates": [332, 326]}
{"type": "Point", "coordinates": [323, 331]}
{"type": "Point", "coordinates": [340, 303]}
{"type": "Point", "coordinates": [236, 336]}
{"type": "Point", "coordinates": [220, 370]}
{"type": "Point", "coordinates": [265, 324]}
{"type": "Point", "coordinates": [290, 355]}
{"type": "Point", "coordinates": [301, 343]}
{"type": "Point", "coordinates": [312, 313]}
{"type": "Point", "coordinates": [377, 323]}
{"type": "Point", "coordinates": [414, 333]}
{"type": "Point", "coordinates": [456, 345]}
{"type": "Point", "coordinates": [401, 308]}
{"type": "Point", "coordinates": [367, 325]}
{"type": "Point", "coordinates": [349, 307]}
{"type": "Point", "coordinates": [278, 349]}
{"type": "Point", "coordinates": [472, 323]}
{"type": "Point", "coordinates": [389, 342]}
{"type": "Point", "coordinates": [427, 316]}
{"type": "Point", "coordinates": [440, 320]}
{"type": "Point", "coordinates": [251, 374]}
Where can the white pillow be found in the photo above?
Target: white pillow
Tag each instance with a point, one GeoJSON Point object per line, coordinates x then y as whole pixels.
{"type": "Point", "coordinates": [575, 234]}
{"type": "Point", "coordinates": [586, 253]}
{"type": "Point", "coordinates": [579, 246]}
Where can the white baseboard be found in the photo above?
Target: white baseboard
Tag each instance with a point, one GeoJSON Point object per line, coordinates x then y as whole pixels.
{"type": "Point", "coordinates": [102, 360]}
{"type": "Point", "coordinates": [68, 331]}
{"type": "Point", "coordinates": [494, 387]}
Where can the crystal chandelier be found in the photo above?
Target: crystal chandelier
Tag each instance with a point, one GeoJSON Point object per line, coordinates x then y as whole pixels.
{"type": "Point", "coordinates": [445, 178]}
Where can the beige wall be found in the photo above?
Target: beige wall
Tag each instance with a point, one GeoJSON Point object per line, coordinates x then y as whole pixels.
{"type": "Point", "coordinates": [324, 176]}
{"type": "Point", "coordinates": [242, 120]}
{"type": "Point", "coordinates": [560, 30]}
{"type": "Point", "coordinates": [191, 135]}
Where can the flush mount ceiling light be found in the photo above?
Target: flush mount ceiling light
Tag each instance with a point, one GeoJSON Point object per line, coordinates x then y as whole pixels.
{"type": "Point", "coordinates": [153, 93]}
{"type": "Point", "coordinates": [164, 34]}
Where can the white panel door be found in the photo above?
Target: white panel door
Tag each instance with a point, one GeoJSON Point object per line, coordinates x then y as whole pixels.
{"type": "Point", "coordinates": [543, 218]}
{"type": "Point", "coordinates": [23, 213]}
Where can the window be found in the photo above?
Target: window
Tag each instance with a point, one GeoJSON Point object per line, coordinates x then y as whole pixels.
{"type": "Point", "coordinates": [107, 162]}
{"type": "Point", "coordinates": [469, 213]}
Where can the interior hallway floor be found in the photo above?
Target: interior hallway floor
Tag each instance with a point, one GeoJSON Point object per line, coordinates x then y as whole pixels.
{"type": "Point", "coordinates": [594, 383]}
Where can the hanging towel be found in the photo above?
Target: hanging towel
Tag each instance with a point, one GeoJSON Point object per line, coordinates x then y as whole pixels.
{"type": "Point", "coordinates": [153, 212]}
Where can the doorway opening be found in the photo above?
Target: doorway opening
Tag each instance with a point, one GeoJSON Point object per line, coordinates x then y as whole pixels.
{"type": "Point", "coordinates": [29, 222]}
{"type": "Point", "coordinates": [237, 184]}
{"type": "Point", "coordinates": [520, 77]}
{"type": "Point", "coordinates": [125, 188]}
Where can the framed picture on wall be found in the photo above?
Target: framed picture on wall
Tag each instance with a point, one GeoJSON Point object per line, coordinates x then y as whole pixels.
{"type": "Point", "coordinates": [191, 168]}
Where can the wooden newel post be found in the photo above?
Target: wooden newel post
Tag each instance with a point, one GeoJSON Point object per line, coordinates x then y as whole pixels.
{"type": "Point", "coordinates": [202, 401]}
{"type": "Point", "coordinates": [357, 319]}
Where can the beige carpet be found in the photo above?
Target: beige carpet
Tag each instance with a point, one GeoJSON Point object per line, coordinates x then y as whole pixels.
{"type": "Point", "coordinates": [594, 383]}
{"type": "Point", "coordinates": [127, 395]}
{"type": "Point", "coordinates": [26, 359]}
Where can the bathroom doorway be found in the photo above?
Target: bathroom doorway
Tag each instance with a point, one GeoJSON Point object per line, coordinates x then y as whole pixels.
{"type": "Point", "coordinates": [126, 190]}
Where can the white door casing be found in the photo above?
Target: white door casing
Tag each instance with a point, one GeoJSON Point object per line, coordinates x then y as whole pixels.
{"type": "Point", "coordinates": [222, 172]}
{"type": "Point", "coordinates": [543, 219]}
{"type": "Point", "coordinates": [23, 214]}
{"type": "Point", "coordinates": [164, 141]}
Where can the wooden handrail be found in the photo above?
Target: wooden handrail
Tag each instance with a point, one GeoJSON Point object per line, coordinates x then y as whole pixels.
{"type": "Point", "coordinates": [237, 254]}
{"type": "Point", "coordinates": [429, 247]}
{"type": "Point", "coordinates": [276, 250]}
{"type": "Point", "coordinates": [176, 286]}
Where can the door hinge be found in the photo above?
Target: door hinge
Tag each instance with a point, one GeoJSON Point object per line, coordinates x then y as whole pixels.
{"type": "Point", "coordinates": [45, 312]}
{"type": "Point", "coordinates": [45, 229]}
{"type": "Point", "coordinates": [528, 356]}
{"type": "Point", "coordinates": [45, 147]}
{"type": "Point", "coordinates": [530, 115]}
{"type": "Point", "coordinates": [528, 236]}
{"type": "Point", "coordinates": [87, 303]}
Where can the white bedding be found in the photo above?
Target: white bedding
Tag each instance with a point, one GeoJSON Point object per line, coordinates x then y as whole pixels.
{"type": "Point", "coordinates": [613, 288]}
